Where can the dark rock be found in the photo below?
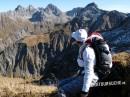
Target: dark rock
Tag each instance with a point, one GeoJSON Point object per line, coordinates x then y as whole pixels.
{"type": "Point", "coordinates": [52, 9]}
{"type": "Point", "coordinates": [74, 12]}
{"type": "Point", "coordinates": [19, 8]}
{"type": "Point", "coordinates": [55, 59]}
{"type": "Point", "coordinates": [91, 6]}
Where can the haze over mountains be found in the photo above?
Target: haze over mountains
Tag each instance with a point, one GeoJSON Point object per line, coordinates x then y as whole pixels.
{"type": "Point", "coordinates": [35, 41]}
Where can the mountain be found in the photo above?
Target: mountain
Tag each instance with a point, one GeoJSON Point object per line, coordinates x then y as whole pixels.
{"type": "Point", "coordinates": [118, 38]}
{"type": "Point", "coordinates": [107, 20]}
{"type": "Point", "coordinates": [35, 41]}
{"type": "Point", "coordinates": [19, 8]}
{"type": "Point", "coordinates": [23, 12]}
{"type": "Point", "coordinates": [90, 9]}
{"type": "Point", "coordinates": [74, 12]}
{"type": "Point", "coordinates": [52, 9]}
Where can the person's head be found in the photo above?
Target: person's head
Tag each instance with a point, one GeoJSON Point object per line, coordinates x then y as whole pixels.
{"type": "Point", "coordinates": [80, 36]}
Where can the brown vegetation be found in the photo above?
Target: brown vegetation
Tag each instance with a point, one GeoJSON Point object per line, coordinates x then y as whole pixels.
{"type": "Point", "coordinates": [10, 25]}
{"type": "Point", "coordinates": [16, 87]}
{"type": "Point", "coordinates": [123, 58]}
{"type": "Point", "coordinates": [35, 39]}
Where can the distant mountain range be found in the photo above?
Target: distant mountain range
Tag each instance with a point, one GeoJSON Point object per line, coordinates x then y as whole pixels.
{"type": "Point", "coordinates": [35, 41]}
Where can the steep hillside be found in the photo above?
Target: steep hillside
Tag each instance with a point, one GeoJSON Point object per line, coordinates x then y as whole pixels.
{"type": "Point", "coordinates": [118, 38]}
{"type": "Point", "coordinates": [16, 87]}
{"type": "Point", "coordinates": [35, 41]}
{"type": "Point", "coordinates": [10, 26]}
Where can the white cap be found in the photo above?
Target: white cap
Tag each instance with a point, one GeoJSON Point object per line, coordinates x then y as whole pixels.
{"type": "Point", "coordinates": [80, 35]}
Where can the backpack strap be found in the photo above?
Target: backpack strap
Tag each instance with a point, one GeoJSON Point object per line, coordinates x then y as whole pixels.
{"type": "Point", "coordinates": [81, 50]}
{"type": "Point", "coordinates": [88, 42]}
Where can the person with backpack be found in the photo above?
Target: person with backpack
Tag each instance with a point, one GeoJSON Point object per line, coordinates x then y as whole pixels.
{"type": "Point", "coordinates": [87, 60]}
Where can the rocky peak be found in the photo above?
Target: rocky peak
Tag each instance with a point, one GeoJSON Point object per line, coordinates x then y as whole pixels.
{"type": "Point", "coordinates": [128, 14]}
{"type": "Point", "coordinates": [24, 12]}
{"type": "Point", "coordinates": [52, 9]}
{"type": "Point", "coordinates": [88, 10]}
{"type": "Point", "coordinates": [117, 13]}
{"type": "Point", "coordinates": [91, 10]}
{"type": "Point", "coordinates": [19, 8]}
{"type": "Point", "coordinates": [74, 12]}
{"type": "Point", "coordinates": [30, 8]}
{"type": "Point", "coordinates": [126, 23]}
{"type": "Point", "coordinates": [40, 8]}
{"type": "Point", "coordinates": [91, 6]}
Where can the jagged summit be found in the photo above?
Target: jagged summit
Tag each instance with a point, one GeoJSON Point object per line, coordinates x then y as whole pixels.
{"type": "Point", "coordinates": [30, 8]}
{"type": "Point", "coordinates": [24, 12]}
{"type": "Point", "coordinates": [74, 12]}
{"type": "Point", "coordinates": [19, 8]}
{"type": "Point", "coordinates": [22, 50]}
{"type": "Point", "coordinates": [50, 5]}
{"type": "Point", "coordinates": [52, 8]}
{"type": "Point", "coordinates": [92, 6]}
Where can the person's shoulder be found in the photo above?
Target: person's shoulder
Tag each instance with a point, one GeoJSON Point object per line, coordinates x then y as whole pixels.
{"type": "Point", "coordinates": [89, 49]}
{"type": "Point", "coordinates": [89, 53]}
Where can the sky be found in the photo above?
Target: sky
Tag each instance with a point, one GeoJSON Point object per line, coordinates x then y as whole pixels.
{"type": "Point", "coordinates": [66, 5]}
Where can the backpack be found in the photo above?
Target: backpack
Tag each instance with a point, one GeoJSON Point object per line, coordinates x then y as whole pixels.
{"type": "Point", "coordinates": [103, 56]}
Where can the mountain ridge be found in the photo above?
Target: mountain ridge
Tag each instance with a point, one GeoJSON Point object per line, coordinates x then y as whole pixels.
{"type": "Point", "coordinates": [36, 40]}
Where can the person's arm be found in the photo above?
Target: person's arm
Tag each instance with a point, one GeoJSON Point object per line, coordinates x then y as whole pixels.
{"type": "Point", "coordinates": [80, 62]}
{"type": "Point", "coordinates": [89, 61]}
{"type": "Point", "coordinates": [80, 56]}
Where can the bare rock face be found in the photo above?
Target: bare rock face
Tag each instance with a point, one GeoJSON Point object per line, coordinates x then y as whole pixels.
{"type": "Point", "coordinates": [95, 19]}
{"type": "Point", "coordinates": [22, 12]}
{"type": "Point", "coordinates": [52, 9]}
{"type": "Point", "coordinates": [35, 42]}
{"type": "Point", "coordinates": [125, 23]}
{"type": "Point", "coordinates": [36, 55]}
{"type": "Point", "coordinates": [26, 50]}
{"type": "Point", "coordinates": [107, 21]}
{"type": "Point", "coordinates": [22, 61]}
{"type": "Point", "coordinates": [118, 38]}
{"type": "Point", "coordinates": [51, 14]}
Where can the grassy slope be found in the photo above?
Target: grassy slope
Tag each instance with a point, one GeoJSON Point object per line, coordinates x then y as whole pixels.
{"type": "Point", "coordinates": [32, 40]}
{"type": "Point", "coordinates": [8, 26]}
{"type": "Point", "coordinates": [123, 58]}
{"type": "Point", "coordinates": [16, 87]}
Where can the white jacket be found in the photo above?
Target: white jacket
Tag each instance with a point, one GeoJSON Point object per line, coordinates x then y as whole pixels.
{"type": "Point", "coordinates": [88, 60]}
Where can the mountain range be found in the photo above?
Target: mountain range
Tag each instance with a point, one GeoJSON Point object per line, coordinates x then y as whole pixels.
{"type": "Point", "coordinates": [35, 41]}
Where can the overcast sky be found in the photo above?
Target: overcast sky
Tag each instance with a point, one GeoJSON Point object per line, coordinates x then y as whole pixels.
{"type": "Point", "coordinates": [65, 5]}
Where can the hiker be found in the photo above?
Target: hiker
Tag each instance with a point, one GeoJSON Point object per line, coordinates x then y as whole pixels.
{"type": "Point", "coordinates": [81, 84]}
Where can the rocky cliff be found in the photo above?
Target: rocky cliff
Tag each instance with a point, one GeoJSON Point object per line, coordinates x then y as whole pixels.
{"type": "Point", "coordinates": [35, 41]}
